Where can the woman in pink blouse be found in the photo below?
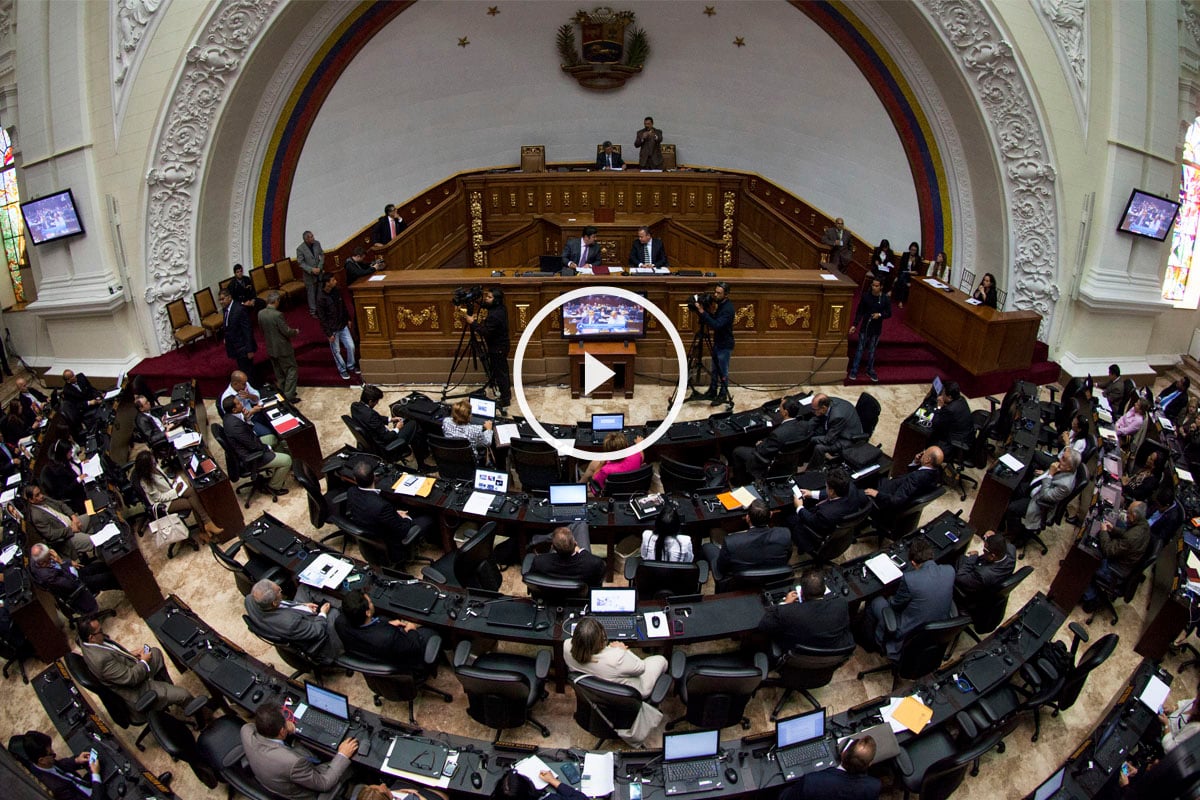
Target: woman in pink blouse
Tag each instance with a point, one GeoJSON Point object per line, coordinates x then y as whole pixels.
{"type": "Point", "coordinates": [598, 471]}
{"type": "Point", "coordinates": [1133, 419]}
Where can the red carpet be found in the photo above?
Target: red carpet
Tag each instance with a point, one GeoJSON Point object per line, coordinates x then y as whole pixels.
{"type": "Point", "coordinates": [207, 363]}
{"type": "Point", "coordinates": [904, 357]}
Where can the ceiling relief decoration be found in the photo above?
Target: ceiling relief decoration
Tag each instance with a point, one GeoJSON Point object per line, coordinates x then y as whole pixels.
{"type": "Point", "coordinates": [611, 54]}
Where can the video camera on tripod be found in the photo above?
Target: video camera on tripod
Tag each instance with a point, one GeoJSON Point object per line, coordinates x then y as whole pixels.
{"type": "Point", "coordinates": [704, 299]}
{"type": "Point", "coordinates": [467, 297]}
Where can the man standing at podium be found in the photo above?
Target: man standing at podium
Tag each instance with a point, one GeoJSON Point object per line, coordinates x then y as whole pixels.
{"type": "Point", "coordinates": [649, 144]}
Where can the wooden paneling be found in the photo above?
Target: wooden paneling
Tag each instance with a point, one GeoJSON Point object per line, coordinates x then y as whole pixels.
{"type": "Point", "coordinates": [774, 239]}
{"type": "Point", "coordinates": [977, 338]}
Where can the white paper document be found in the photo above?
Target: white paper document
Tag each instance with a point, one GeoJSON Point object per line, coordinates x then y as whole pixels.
{"type": "Point", "coordinates": [408, 484]}
{"type": "Point", "coordinates": [884, 568]}
{"type": "Point", "coordinates": [825, 276]}
{"type": "Point", "coordinates": [109, 531]}
{"type": "Point", "coordinates": [530, 767]}
{"type": "Point", "coordinates": [13, 479]}
{"type": "Point", "coordinates": [1012, 462]}
{"type": "Point", "coordinates": [597, 778]}
{"type": "Point", "coordinates": [8, 554]}
{"type": "Point", "coordinates": [886, 713]}
{"type": "Point", "coordinates": [185, 440]}
{"type": "Point", "coordinates": [506, 432]}
{"type": "Point", "coordinates": [478, 503]}
{"type": "Point", "coordinates": [1183, 474]}
{"type": "Point", "coordinates": [1155, 694]}
{"type": "Point", "coordinates": [111, 393]}
{"type": "Point", "coordinates": [326, 571]}
{"type": "Point", "coordinates": [376, 278]}
{"type": "Point", "coordinates": [973, 302]}
{"type": "Point", "coordinates": [8, 496]}
{"type": "Point", "coordinates": [92, 468]}
{"type": "Point", "coordinates": [1166, 423]}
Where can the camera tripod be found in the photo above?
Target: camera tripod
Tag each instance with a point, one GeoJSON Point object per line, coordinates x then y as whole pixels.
{"type": "Point", "coordinates": [701, 346]}
{"type": "Point", "coordinates": [472, 350]}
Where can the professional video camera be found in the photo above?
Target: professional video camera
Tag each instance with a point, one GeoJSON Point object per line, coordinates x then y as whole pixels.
{"type": "Point", "coordinates": [467, 297]}
{"type": "Point", "coordinates": [704, 299]}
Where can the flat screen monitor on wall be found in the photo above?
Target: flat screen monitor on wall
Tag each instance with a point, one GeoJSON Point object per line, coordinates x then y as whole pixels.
{"type": "Point", "coordinates": [601, 316]}
{"type": "Point", "coordinates": [1148, 215]}
{"type": "Point", "coordinates": [52, 217]}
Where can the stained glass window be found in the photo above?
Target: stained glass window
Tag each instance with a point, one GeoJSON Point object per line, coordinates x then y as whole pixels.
{"type": "Point", "coordinates": [1178, 286]}
{"type": "Point", "coordinates": [12, 232]}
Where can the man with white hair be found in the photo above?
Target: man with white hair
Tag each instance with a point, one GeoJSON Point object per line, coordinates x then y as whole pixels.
{"type": "Point", "coordinates": [31, 400]}
{"type": "Point", "coordinates": [1123, 546]}
{"type": "Point", "coordinates": [307, 626]}
{"type": "Point", "coordinates": [1030, 512]}
{"type": "Point", "coordinates": [70, 581]}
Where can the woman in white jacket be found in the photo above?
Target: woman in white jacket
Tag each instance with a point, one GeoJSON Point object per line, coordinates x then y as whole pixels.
{"type": "Point", "coordinates": [158, 489]}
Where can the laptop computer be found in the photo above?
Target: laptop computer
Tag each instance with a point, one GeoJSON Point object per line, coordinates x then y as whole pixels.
{"type": "Point", "coordinates": [604, 424]}
{"type": "Point", "coordinates": [886, 746]}
{"type": "Point", "coordinates": [801, 744]}
{"type": "Point", "coordinates": [482, 410]}
{"type": "Point", "coordinates": [615, 610]}
{"type": "Point", "coordinates": [683, 431]}
{"type": "Point", "coordinates": [488, 481]}
{"type": "Point", "coordinates": [323, 717]}
{"type": "Point", "coordinates": [690, 762]}
{"type": "Point", "coordinates": [568, 502]}
{"type": "Point", "coordinates": [1052, 788]}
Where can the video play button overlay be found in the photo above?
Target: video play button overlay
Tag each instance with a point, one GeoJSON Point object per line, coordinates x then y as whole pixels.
{"type": "Point", "coordinates": [594, 374]}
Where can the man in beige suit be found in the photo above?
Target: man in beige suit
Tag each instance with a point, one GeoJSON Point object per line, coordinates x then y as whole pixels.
{"type": "Point", "coordinates": [131, 676]}
{"type": "Point", "coordinates": [284, 770]}
{"type": "Point", "coordinates": [57, 524]}
{"type": "Point", "coordinates": [278, 336]}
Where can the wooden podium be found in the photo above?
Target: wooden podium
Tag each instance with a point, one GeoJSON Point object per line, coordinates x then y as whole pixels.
{"type": "Point", "coordinates": [617, 356]}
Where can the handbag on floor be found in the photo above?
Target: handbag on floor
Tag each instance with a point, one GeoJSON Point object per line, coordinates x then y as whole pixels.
{"type": "Point", "coordinates": [168, 529]}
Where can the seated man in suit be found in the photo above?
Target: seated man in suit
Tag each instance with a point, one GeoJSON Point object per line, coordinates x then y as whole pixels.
{"type": "Point", "coordinates": [60, 776]}
{"type": "Point", "coordinates": [130, 676]}
{"type": "Point", "coordinates": [306, 626]}
{"type": "Point", "coordinates": [568, 559]}
{"type": "Point", "coordinates": [250, 449]}
{"type": "Point", "coordinates": [980, 574]}
{"type": "Point", "coordinates": [1124, 547]}
{"type": "Point", "coordinates": [810, 619]}
{"type": "Point", "coordinates": [582, 252]}
{"type": "Point", "coordinates": [290, 771]}
{"type": "Point", "coordinates": [1031, 510]}
{"type": "Point", "coordinates": [64, 579]}
{"type": "Point", "coordinates": [952, 418]}
{"type": "Point", "coordinates": [239, 386]}
{"type": "Point", "coordinates": [388, 435]}
{"type": "Point", "coordinates": [1165, 513]}
{"type": "Point", "coordinates": [151, 429]}
{"type": "Point", "coordinates": [837, 501]}
{"type": "Point", "coordinates": [32, 401]}
{"type": "Point", "coordinates": [385, 522]}
{"type": "Point", "coordinates": [761, 545]}
{"type": "Point", "coordinates": [835, 426]}
{"type": "Point", "coordinates": [925, 594]}
{"type": "Point", "coordinates": [365, 635]}
{"type": "Point", "coordinates": [849, 781]}
{"type": "Point", "coordinates": [647, 251]}
{"type": "Point", "coordinates": [608, 157]}
{"type": "Point", "coordinates": [896, 493]}
{"type": "Point", "coordinates": [57, 524]}
{"type": "Point", "coordinates": [753, 462]}
{"type": "Point", "coordinates": [79, 393]}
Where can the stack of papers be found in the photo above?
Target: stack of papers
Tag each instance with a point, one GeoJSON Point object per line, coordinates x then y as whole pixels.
{"type": "Point", "coordinates": [8, 554]}
{"type": "Point", "coordinates": [506, 432]}
{"type": "Point", "coordinates": [109, 531]}
{"type": "Point", "coordinates": [1183, 474]}
{"type": "Point", "coordinates": [326, 571]}
{"type": "Point", "coordinates": [530, 767]}
{"type": "Point", "coordinates": [1012, 462]}
{"type": "Point", "coordinates": [479, 503]}
{"type": "Point", "coordinates": [92, 468]}
{"type": "Point", "coordinates": [883, 568]}
{"type": "Point", "coordinates": [597, 778]}
{"type": "Point", "coordinates": [417, 485]}
{"type": "Point", "coordinates": [740, 497]}
{"type": "Point", "coordinates": [906, 713]}
{"type": "Point", "coordinates": [825, 276]}
{"type": "Point", "coordinates": [182, 438]}
{"type": "Point", "coordinates": [284, 423]}
{"type": "Point", "coordinates": [7, 496]}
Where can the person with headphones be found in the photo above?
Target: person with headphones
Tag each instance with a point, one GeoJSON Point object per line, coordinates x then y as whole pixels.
{"type": "Point", "coordinates": [718, 316]}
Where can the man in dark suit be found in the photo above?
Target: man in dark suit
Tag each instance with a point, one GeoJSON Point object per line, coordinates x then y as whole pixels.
{"type": "Point", "coordinates": [568, 559]}
{"type": "Point", "coordinates": [810, 619]}
{"type": "Point", "coordinates": [288, 771]}
{"type": "Point", "coordinates": [60, 776]}
{"type": "Point", "coordinates": [850, 781]}
{"type": "Point", "coordinates": [239, 337]}
{"type": "Point", "coordinates": [31, 401]}
{"type": "Point", "coordinates": [249, 448]}
{"type": "Point", "coordinates": [753, 462]}
{"type": "Point", "coordinates": [388, 226]}
{"type": "Point", "coordinates": [149, 427]}
{"type": "Point", "coordinates": [647, 251]}
{"type": "Point", "coordinates": [389, 440]}
{"type": "Point", "coordinates": [840, 244]}
{"type": "Point", "coordinates": [649, 143]}
{"type": "Point", "coordinates": [1124, 547]}
{"type": "Point", "coordinates": [307, 626]}
{"type": "Point", "coordinates": [70, 580]}
{"type": "Point", "coordinates": [608, 157]}
{"type": "Point", "coordinates": [894, 494]}
{"type": "Point", "coordinates": [837, 501]}
{"type": "Point", "coordinates": [368, 636]}
{"type": "Point", "coordinates": [835, 425]}
{"type": "Point", "coordinates": [761, 545]}
{"type": "Point", "coordinates": [583, 251]}
{"type": "Point", "coordinates": [56, 523]}
{"type": "Point", "coordinates": [952, 418]}
{"type": "Point", "coordinates": [278, 335]}
{"type": "Point", "coordinates": [925, 594]}
{"type": "Point", "coordinates": [385, 522]}
{"type": "Point", "coordinates": [130, 676]}
{"type": "Point", "coordinates": [980, 574]}
{"type": "Point", "coordinates": [83, 398]}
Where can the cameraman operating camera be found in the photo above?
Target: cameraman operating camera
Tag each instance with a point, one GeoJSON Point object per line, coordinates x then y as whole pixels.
{"type": "Point", "coordinates": [494, 330]}
{"type": "Point", "coordinates": [720, 321]}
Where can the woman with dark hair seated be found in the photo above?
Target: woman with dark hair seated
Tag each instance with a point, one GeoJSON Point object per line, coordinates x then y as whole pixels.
{"type": "Point", "coordinates": [664, 542]}
{"type": "Point", "coordinates": [62, 477]}
{"type": "Point", "coordinates": [159, 490]}
{"type": "Point", "coordinates": [14, 426]}
{"type": "Point", "coordinates": [1142, 483]}
{"type": "Point", "coordinates": [515, 786]}
{"type": "Point", "coordinates": [985, 292]}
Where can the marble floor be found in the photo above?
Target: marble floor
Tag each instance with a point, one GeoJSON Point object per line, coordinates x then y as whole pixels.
{"type": "Point", "coordinates": [210, 590]}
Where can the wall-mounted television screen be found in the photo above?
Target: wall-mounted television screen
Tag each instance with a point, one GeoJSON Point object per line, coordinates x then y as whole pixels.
{"type": "Point", "coordinates": [603, 316]}
{"type": "Point", "coordinates": [52, 217]}
{"type": "Point", "coordinates": [1148, 215]}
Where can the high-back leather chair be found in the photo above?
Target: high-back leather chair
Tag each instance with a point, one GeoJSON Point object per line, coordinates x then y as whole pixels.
{"type": "Point", "coordinates": [924, 649]}
{"type": "Point", "coordinates": [254, 570]}
{"type": "Point", "coordinates": [175, 737]}
{"type": "Point", "coordinates": [987, 609]}
{"type": "Point", "coordinates": [804, 668]}
{"type": "Point", "coordinates": [238, 469]}
{"type": "Point", "coordinates": [716, 687]}
{"type": "Point", "coordinates": [662, 579]}
{"type": "Point", "coordinates": [679, 477]}
{"type": "Point", "coordinates": [220, 746]}
{"type": "Point", "coordinates": [454, 458]}
{"type": "Point", "coordinates": [903, 522]}
{"type": "Point", "coordinates": [395, 452]}
{"type": "Point", "coordinates": [471, 565]}
{"type": "Point", "coordinates": [868, 410]}
{"type": "Point", "coordinates": [842, 537]}
{"type": "Point", "coordinates": [603, 707]}
{"type": "Point", "coordinates": [502, 688]}
{"type": "Point", "coordinates": [536, 463]}
{"type": "Point", "coordinates": [399, 682]}
{"type": "Point", "coordinates": [627, 484]}
{"type": "Point", "coordinates": [550, 587]}
{"type": "Point", "coordinates": [756, 578]}
{"type": "Point", "coordinates": [299, 660]}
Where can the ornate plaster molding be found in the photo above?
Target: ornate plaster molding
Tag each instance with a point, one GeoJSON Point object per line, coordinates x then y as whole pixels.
{"type": "Point", "coordinates": [1191, 19]}
{"type": "Point", "coordinates": [212, 66]}
{"type": "Point", "coordinates": [132, 26]}
{"type": "Point", "coordinates": [1066, 23]}
{"type": "Point", "coordinates": [1028, 175]}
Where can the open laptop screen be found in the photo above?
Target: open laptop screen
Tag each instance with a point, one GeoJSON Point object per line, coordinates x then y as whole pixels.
{"type": "Point", "coordinates": [327, 701]}
{"type": "Point", "coordinates": [613, 601]}
{"type": "Point", "coordinates": [937, 385]}
{"type": "Point", "coordinates": [801, 728]}
{"type": "Point", "coordinates": [488, 481]}
{"type": "Point", "coordinates": [608, 422]}
{"type": "Point", "coordinates": [1052, 785]}
{"type": "Point", "coordinates": [568, 494]}
{"type": "Point", "coordinates": [696, 744]}
{"type": "Point", "coordinates": [483, 408]}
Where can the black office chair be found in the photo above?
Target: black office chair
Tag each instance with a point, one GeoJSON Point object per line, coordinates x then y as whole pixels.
{"type": "Point", "coordinates": [471, 565]}
{"type": "Point", "coordinates": [321, 510]}
{"type": "Point", "coordinates": [627, 484]}
{"type": "Point", "coordinates": [254, 570]}
{"type": "Point", "coordinates": [984, 424]}
{"type": "Point", "coordinates": [15, 655]}
{"type": "Point", "coordinates": [841, 538]}
{"type": "Point", "coordinates": [662, 579]}
{"type": "Point", "coordinates": [536, 463]}
{"type": "Point", "coordinates": [935, 765]}
{"type": "Point", "coordinates": [603, 707]}
{"type": "Point", "coordinates": [788, 459]}
{"type": "Point", "coordinates": [802, 669]}
{"type": "Point", "coordinates": [898, 524]}
{"type": "Point", "coordinates": [454, 458]}
{"type": "Point", "coordinates": [924, 649]}
{"type": "Point", "coordinates": [400, 683]}
{"type": "Point", "coordinates": [502, 688]}
{"type": "Point", "coordinates": [176, 739]}
{"type": "Point", "coordinates": [1124, 588]}
{"type": "Point", "coordinates": [679, 477]}
{"type": "Point", "coordinates": [550, 588]}
{"type": "Point", "coordinates": [760, 578]}
{"type": "Point", "coordinates": [300, 660]}
{"type": "Point", "coordinates": [868, 410]}
{"type": "Point", "coordinates": [955, 464]}
{"type": "Point", "coordinates": [255, 473]}
{"type": "Point", "coordinates": [1093, 657]}
{"type": "Point", "coordinates": [396, 451]}
{"type": "Point", "coordinates": [220, 746]}
{"type": "Point", "coordinates": [987, 610]}
{"type": "Point", "coordinates": [715, 687]}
